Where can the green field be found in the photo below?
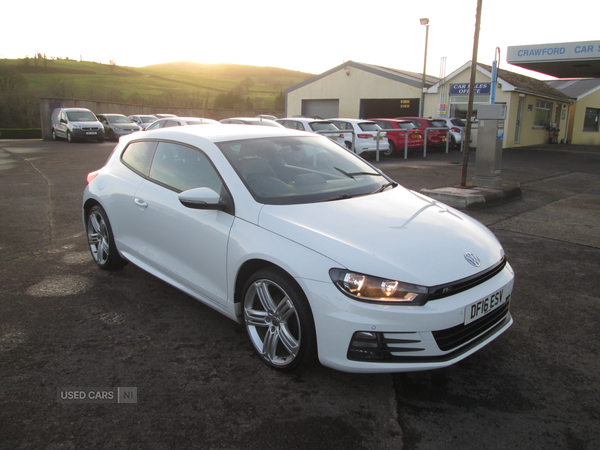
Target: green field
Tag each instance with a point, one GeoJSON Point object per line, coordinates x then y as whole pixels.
{"type": "Point", "coordinates": [177, 85]}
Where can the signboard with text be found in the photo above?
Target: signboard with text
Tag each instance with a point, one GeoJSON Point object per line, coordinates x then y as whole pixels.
{"type": "Point", "coordinates": [463, 88]}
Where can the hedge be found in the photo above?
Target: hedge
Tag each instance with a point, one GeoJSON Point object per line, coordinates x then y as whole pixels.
{"type": "Point", "coordinates": [20, 133]}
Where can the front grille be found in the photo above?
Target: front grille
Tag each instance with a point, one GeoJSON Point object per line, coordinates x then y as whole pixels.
{"type": "Point", "coordinates": [456, 336]}
{"type": "Point", "coordinates": [448, 289]}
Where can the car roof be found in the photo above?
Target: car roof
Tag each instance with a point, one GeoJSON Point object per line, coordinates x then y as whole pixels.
{"type": "Point", "coordinates": [352, 120]}
{"type": "Point", "coordinates": [216, 133]}
{"type": "Point", "coordinates": [392, 120]}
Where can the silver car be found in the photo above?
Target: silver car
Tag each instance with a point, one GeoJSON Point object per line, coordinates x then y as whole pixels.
{"type": "Point", "coordinates": [457, 128]}
{"type": "Point", "coordinates": [117, 125]}
{"type": "Point", "coordinates": [143, 120]}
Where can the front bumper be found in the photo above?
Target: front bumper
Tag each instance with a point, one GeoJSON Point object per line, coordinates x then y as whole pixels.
{"type": "Point", "coordinates": [412, 338]}
{"type": "Point", "coordinates": [88, 133]}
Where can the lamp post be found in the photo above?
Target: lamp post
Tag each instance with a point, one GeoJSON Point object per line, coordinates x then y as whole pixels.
{"type": "Point", "coordinates": [425, 22]}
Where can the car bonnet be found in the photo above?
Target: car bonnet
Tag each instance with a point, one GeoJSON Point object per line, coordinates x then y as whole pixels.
{"type": "Point", "coordinates": [397, 234]}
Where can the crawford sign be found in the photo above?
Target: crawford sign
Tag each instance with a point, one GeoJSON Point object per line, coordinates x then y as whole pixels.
{"type": "Point", "coordinates": [463, 88]}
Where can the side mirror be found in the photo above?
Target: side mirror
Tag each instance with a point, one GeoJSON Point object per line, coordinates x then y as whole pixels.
{"type": "Point", "coordinates": [202, 198]}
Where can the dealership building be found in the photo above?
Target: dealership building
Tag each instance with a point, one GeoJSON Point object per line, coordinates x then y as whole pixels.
{"type": "Point", "coordinates": [536, 111]}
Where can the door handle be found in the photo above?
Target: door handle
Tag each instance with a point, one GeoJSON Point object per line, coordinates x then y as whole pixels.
{"type": "Point", "coordinates": [140, 203]}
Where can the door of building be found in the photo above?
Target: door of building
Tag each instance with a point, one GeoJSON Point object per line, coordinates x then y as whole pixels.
{"type": "Point", "coordinates": [519, 120]}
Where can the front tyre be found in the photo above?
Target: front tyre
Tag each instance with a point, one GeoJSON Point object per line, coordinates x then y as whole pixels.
{"type": "Point", "coordinates": [278, 320]}
{"type": "Point", "coordinates": [101, 240]}
{"type": "Point", "coordinates": [70, 137]}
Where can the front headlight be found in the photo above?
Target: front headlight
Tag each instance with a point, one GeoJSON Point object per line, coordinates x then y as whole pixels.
{"type": "Point", "coordinates": [368, 288]}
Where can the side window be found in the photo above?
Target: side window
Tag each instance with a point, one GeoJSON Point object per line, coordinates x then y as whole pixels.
{"type": "Point", "coordinates": [155, 125]}
{"type": "Point", "coordinates": [170, 123]}
{"type": "Point", "coordinates": [183, 168]}
{"type": "Point", "coordinates": [138, 156]}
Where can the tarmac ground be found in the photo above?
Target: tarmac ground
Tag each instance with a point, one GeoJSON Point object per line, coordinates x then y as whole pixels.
{"type": "Point", "coordinates": [65, 323]}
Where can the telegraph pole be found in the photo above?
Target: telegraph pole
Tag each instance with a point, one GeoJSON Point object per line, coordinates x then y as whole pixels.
{"type": "Point", "coordinates": [465, 156]}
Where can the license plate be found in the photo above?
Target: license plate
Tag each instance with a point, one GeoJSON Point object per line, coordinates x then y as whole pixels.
{"type": "Point", "coordinates": [443, 139]}
{"type": "Point", "coordinates": [380, 138]}
{"type": "Point", "coordinates": [484, 306]}
{"type": "Point", "coordinates": [91, 132]}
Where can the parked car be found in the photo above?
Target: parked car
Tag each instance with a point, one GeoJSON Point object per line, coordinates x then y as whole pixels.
{"type": "Point", "coordinates": [435, 138]}
{"type": "Point", "coordinates": [179, 121]}
{"type": "Point", "coordinates": [330, 260]}
{"type": "Point", "coordinates": [117, 125]}
{"type": "Point", "coordinates": [312, 125]}
{"type": "Point", "coordinates": [143, 120]}
{"type": "Point", "coordinates": [75, 124]}
{"type": "Point", "coordinates": [250, 121]}
{"type": "Point", "coordinates": [397, 139]}
{"type": "Point", "coordinates": [457, 128]}
{"type": "Point", "coordinates": [366, 135]}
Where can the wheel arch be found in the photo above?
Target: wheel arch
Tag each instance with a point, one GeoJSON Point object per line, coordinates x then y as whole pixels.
{"type": "Point", "coordinates": [87, 206]}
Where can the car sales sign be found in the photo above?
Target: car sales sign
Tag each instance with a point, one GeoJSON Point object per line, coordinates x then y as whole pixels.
{"type": "Point", "coordinates": [463, 88]}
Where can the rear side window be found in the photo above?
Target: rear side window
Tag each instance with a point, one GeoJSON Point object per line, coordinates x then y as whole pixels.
{"type": "Point", "coordinates": [384, 125]}
{"type": "Point", "coordinates": [369, 126]}
{"type": "Point", "coordinates": [138, 156]}
{"type": "Point", "coordinates": [323, 126]}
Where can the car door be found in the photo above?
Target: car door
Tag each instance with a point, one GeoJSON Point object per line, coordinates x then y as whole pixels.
{"type": "Point", "coordinates": [61, 128]}
{"type": "Point", "coordinates": [185, 244]}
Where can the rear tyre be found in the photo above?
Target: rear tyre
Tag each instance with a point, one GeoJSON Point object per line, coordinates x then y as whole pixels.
{"type": "Point", "coordinates": [101, 240]}
{"type": "Point", "coordinates": [278, 320]}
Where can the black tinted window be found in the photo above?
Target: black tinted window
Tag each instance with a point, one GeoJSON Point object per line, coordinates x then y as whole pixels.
{"type": "Point", "coordinates": [138, 156]}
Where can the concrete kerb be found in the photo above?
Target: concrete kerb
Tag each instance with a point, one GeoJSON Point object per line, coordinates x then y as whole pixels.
{"type": "Point", "coordinates": [474, 197]}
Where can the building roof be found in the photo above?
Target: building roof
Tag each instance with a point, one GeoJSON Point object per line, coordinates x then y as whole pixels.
{"type": "Point", "coordinates": [402, 76]}
{"type": "Point", "coordinates": [510, 81]}
{"type": "Point", "coordinates": [576, 87]}
{"type": "Point", "coordinates": [527, 84]}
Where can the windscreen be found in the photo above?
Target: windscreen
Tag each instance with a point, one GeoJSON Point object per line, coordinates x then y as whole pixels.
{"type": "Point", "coordinates": [294, 170]}
{"type": "Point", "coordinates": [81, 116]}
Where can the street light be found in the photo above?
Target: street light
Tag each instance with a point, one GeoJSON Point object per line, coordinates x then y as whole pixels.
{"type": "Point", "coordinates": [425, 22]}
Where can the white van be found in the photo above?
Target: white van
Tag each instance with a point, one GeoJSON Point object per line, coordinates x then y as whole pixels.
{"type": "Point", "coordinates": [76, 124]}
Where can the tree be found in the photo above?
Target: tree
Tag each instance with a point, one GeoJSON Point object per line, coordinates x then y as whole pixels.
{"type": "Point", "coordinates": [279, 101]}
{"type": "Point", "coordinates": [11, 79]}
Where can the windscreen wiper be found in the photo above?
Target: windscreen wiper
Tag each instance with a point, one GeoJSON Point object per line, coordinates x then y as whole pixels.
{"type": "Point", "coordinates": [353, 174]}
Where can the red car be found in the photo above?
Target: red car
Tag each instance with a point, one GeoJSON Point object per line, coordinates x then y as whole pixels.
{"type": "Point", "coordinates": [396, 139]}
{"type": "Point", "coordinates": [435, 138]}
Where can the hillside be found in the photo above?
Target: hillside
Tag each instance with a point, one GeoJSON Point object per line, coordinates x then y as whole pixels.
{"type": "Point", "coordinates": [179, 84]}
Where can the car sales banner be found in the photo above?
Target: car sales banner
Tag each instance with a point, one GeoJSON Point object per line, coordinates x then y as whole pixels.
{"type": "Point", "coordinates": [463, 88]}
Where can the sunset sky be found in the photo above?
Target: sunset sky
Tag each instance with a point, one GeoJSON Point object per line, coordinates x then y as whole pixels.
{"type": "Point", "coordinates": [308, 36]}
